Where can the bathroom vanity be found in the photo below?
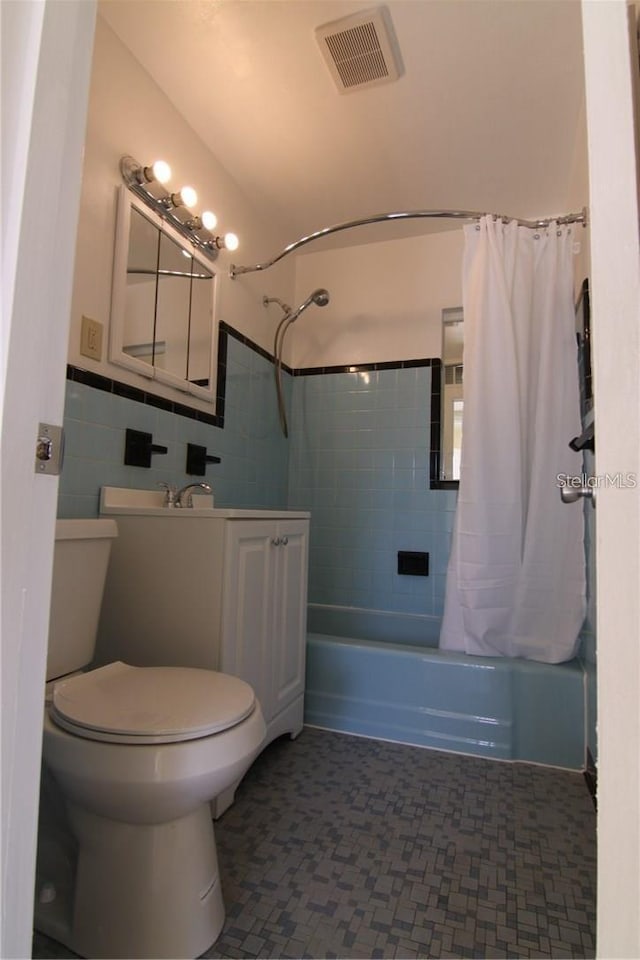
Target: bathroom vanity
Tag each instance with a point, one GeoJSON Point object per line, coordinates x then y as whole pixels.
{"type": "Point", "coordinates": [222, 589]}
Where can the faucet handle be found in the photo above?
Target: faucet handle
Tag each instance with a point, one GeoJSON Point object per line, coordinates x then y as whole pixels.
{"type": "Point", "coordinates": [170, 493]}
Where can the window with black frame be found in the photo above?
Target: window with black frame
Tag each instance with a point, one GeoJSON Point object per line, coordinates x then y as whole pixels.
{"type": "Point", "coordinates": [447, 400]}
{"type": "Point", "coordinates": [447, 404]}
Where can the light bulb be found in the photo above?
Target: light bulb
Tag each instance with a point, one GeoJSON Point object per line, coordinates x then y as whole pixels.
{"type": "Point", "coordinates": [231, 241]}
{"type": "Point", "coordinates": [161, 171]}
{"type": "Point", "coordinates": [209, 220]}
{"type": "Point", "coordinates": [188, 197]}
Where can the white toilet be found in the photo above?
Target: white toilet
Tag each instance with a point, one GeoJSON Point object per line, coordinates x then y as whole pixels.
{"type": "Point", "coordinates": [137, 753]}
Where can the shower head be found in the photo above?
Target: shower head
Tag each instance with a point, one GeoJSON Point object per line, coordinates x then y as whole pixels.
{"type": "Point", "coordinates": [320, 297]}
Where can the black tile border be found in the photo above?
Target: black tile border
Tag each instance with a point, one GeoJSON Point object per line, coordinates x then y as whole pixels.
{"type": "Point", "coordinates": [99, 382]}
{"type": "Point", "coordinates": [363, 367]}
{"type": "Point", "coordinates": [116, 387]}
{"type": "Point", "coordinates": [129, 392]}
{"type": "Point", "coordinates": [119, 389]}
{"type": "Point", "coordinates": [240, 337]}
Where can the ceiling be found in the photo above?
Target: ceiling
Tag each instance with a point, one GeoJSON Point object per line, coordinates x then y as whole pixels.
{"type": "Point", "coordinates": [484, 116]}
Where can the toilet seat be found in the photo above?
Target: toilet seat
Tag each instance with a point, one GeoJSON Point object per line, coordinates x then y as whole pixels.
{"type": "Point", "coordinates": [124, 704]}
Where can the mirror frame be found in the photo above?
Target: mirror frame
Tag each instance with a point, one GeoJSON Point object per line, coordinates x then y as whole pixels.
{"type": "Point", "coordinates": [126, 202]}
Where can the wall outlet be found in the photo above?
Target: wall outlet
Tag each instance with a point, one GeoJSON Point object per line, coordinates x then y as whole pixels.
{"type": "Point", "coordinates": [91, 339]}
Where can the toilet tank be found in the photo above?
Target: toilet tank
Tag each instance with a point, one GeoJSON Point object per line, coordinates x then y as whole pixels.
{"type": "Point", "coordinates": [80, 560]}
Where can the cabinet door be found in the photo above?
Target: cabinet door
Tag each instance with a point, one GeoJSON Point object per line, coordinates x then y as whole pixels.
{"type": "Point", "coordinates": [250, 561]}
{"type": "Point", "coordinates": [288, 643]}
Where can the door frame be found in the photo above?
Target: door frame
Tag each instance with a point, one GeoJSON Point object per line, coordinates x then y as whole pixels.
{"type": "Point", "coordinates": [611, 71]}
{"type": "Point", "coordinates": [46, 66]}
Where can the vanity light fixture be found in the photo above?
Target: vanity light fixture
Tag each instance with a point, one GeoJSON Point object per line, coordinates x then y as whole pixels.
{"type": "Point", "coordinates": [175, 207]}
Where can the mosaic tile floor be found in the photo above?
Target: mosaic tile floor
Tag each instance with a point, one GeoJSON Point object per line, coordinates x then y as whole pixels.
{"type": "Point", "coordinates": [343, 847]}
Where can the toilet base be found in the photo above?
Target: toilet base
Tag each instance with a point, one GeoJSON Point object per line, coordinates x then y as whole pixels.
{"type": "Point", "coordinates": [140, 890]}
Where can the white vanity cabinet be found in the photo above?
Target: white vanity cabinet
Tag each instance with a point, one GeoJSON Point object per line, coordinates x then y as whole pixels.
{"type": "Point", "coordinates": [220, 589]}
{"type": "Point", "coordinates": [264, 613]}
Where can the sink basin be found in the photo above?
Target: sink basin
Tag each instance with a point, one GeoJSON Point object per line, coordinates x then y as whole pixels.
{"type": "Point", "coordinates": [126, 500]}
{"type": "Point", "coordinates": [123, 501]}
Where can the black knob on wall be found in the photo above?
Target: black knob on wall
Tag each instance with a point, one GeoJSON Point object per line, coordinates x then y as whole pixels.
{"type": "Point", "coordinates": [197, 460]}
{"type": "Point", "coordinates": [139, 447]}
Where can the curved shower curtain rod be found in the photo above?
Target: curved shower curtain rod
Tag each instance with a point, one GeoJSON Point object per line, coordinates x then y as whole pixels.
{"type": "Point", "coordinates": [235, 271]}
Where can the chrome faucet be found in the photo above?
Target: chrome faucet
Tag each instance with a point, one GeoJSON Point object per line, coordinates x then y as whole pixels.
{"type": "Point", "coordinates": [179, 500]}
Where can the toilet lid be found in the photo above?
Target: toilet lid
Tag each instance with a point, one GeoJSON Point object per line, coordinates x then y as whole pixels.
{"type": "Point", "coordinates": [150, 704]}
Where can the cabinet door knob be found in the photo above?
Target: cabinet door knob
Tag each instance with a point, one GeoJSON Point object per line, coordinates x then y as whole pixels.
{"type": "Point", "coordinates": [275, 541]}
{"type": "Point", "coordinates": [284, 541]}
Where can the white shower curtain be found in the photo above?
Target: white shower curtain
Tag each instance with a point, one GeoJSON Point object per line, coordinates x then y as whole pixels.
{"type": "Point", "coordinates": [516, 580]}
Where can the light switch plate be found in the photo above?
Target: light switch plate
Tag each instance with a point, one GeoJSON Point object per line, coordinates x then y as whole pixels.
{"type": "Point", "coordinates": [91, 338]}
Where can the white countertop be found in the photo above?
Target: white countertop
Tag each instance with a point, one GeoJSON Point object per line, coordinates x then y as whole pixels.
{"type": "Point", "coordinates": [123, 501]}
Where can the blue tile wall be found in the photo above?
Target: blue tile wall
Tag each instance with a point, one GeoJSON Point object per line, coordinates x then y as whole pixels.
{"type": "Point", "coordinates": [253, 471]}
{"type": "Point", "coordinates": [359, 461]}
{"type": "Point", "coordinates": [357, 458]}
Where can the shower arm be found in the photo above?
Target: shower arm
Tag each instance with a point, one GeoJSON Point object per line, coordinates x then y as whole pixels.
{"type": "Point", "coordinates": [235, 270]}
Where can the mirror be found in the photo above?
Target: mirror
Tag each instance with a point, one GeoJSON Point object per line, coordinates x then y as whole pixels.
{"type": "Point", "coordinates": [162, 311]}
{"type": "Point", "coordinates": [452, 392]}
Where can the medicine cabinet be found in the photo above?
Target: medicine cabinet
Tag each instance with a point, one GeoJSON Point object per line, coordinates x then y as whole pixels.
{"type": "Point", "coordinates": [163, 318]}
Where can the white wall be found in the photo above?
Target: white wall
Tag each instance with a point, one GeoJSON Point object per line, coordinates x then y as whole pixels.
{"type": "Point", "coordinates": [386, 300]}
{"type": "Point", "coordinates": [129, 114]}
{"type": "Point", "coordinates": [387, 297]}
{"type": "Point", "coordinates": [578, 197]}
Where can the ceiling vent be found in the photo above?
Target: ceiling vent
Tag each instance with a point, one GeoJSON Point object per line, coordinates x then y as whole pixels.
{"type": "Point", "coordinates": [360, 50]}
